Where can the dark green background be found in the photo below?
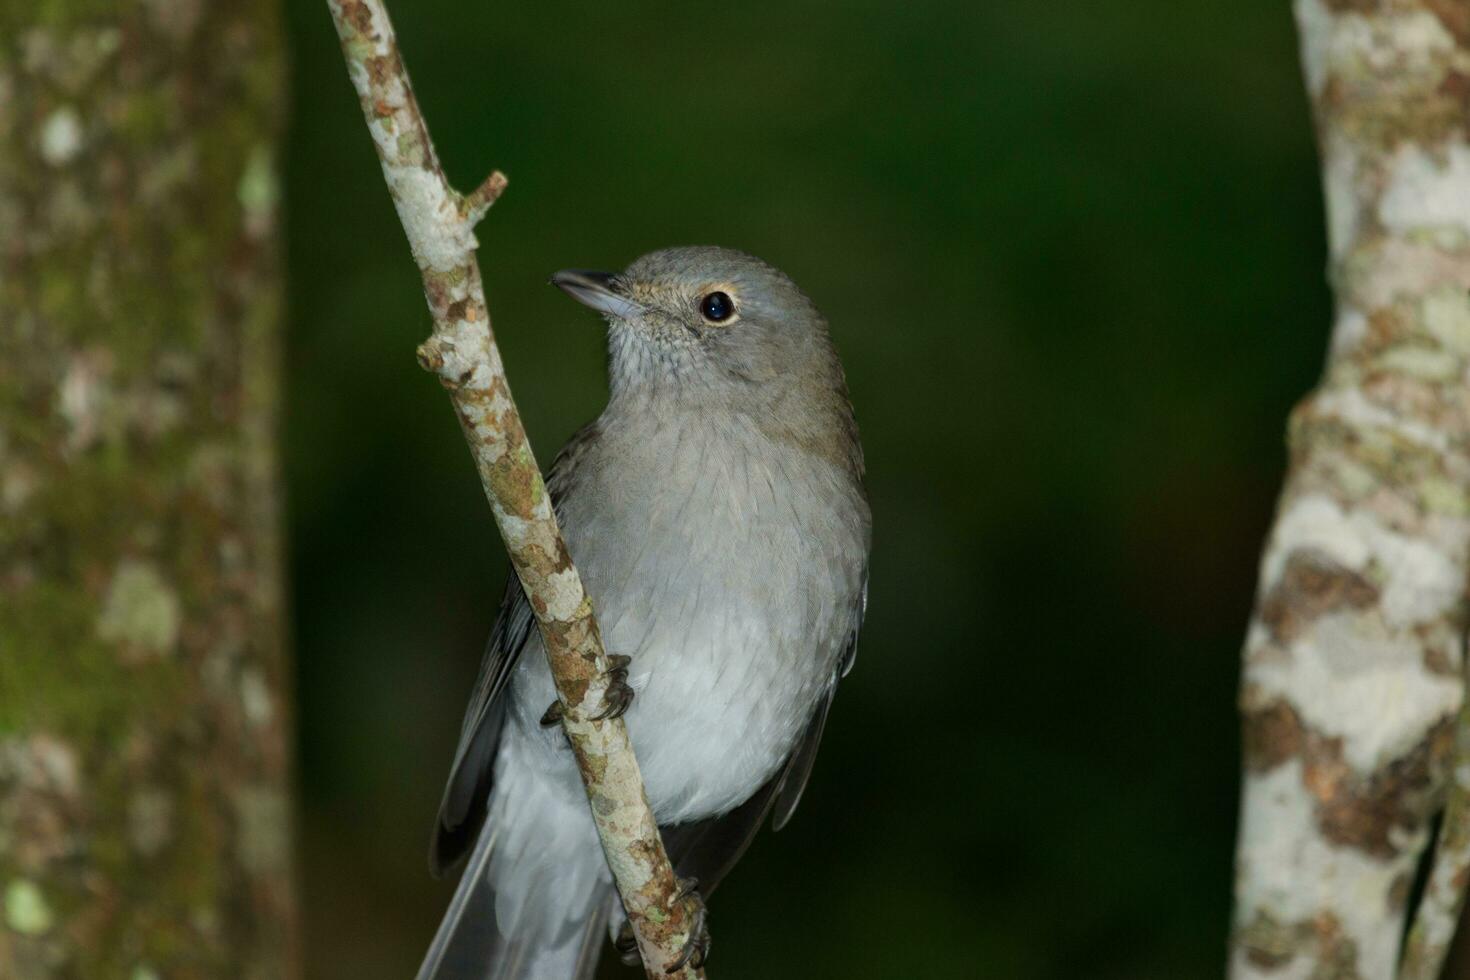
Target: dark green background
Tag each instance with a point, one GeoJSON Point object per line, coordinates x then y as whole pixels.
{"type": "Point", "coordinates": [1072, 256]}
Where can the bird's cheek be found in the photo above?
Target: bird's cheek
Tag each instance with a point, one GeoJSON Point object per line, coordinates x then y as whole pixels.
{"type": "Point", "coordinates": [664, 329]}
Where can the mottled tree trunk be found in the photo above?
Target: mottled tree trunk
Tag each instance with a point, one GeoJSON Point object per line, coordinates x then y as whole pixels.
{"type": "Point", "coordinates": [1353, 662]}
{"type": "Point", "coordinates": [144, 736]}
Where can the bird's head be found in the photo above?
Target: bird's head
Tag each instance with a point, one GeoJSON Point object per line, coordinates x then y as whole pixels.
{"type": "Point", "coordinates": [706, 320]}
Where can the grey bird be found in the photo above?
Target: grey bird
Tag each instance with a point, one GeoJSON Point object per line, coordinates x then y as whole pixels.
{"type": "Point", "coordinates": [716, 512]}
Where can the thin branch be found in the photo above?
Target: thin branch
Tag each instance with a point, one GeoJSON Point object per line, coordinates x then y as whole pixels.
{"type": "Point", "coordinates": [1353, 673]}
{"type": "Point", "coordinates": [474, 206]}
{"type": "Point", "coordinates": [439, 224]}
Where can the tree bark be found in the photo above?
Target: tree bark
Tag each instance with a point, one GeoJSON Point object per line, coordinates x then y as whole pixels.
{"type": "Point", "coordinates": [461, 352]}
{"type": "Point", "coordinates": [144, 719]}
{"type": "Point", "coordinates": [1353, 661]}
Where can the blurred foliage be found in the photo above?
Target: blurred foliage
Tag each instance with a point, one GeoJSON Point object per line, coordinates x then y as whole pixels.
{"type": "Point", "coordinates": [1072, 255]}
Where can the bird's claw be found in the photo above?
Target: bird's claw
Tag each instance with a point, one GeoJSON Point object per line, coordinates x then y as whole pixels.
{"type": "Point", "coordinates": [619, 694]}
{"type": "Point", "coordinates": [615, 699]}
{"type": "Point", "coordinates": [627, 946]}
{"type": "Point", "coordinates": [696, 947]}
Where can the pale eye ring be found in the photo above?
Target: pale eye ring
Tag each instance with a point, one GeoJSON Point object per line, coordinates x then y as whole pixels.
{"type": "Point", "coordinates": [716, 307]}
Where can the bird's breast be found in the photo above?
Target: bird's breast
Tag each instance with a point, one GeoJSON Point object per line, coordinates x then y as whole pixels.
{"type": "Point", "coordinates": [724, 566]}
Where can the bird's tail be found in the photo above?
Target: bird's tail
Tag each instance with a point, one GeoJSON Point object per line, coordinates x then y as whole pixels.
{"type": "Point", "coordinates": [528, 907]}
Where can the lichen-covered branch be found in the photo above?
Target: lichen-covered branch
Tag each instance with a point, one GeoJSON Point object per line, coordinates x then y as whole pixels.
{"type": "Point", "coordinates": [144, 687]}
{"type": "Point", "coordinates": [1444, 893]}
{"type": "Point", "coordinates": [1353, 661]}
{"type": "Point", "coordinates": [462, 353]}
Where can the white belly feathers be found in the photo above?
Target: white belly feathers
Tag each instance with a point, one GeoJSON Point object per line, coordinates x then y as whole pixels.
{"type": "Point", "coordinates": [706, 574]}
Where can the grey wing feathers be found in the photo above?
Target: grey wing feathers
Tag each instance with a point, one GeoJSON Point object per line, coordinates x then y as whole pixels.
{"type": "Point", "coordinates": [467, 937]}
{"type": "Point", "coordinates": [707, 849]}
{"type": "Point", "coordinates": [462, 809]}
{"type": "Point", "coordinates": [468, 943]}
{"type": "Point", "coordinates": [799, 766]}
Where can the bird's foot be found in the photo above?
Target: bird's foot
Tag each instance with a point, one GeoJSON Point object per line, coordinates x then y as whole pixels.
{"type": "Point", "coordinates": [615, 699]}
{"type": "Point", "coordinates": [696, 947]}
{"type": "Point", "coordinates": [627, 946]}
{"type": "Point", "coordinates": [619, 694]}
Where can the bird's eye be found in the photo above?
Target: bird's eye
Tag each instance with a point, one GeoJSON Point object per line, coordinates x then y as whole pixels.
{"type": "Point", "coordinates": [716, 307]}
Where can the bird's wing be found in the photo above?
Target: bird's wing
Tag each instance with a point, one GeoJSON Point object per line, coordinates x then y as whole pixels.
{"type": "Point", "coordinates": [706, 850]}
{"type": "Point", "coordinates": [799, 765]}
{"type": "Point", "coordinates": [462, 809]}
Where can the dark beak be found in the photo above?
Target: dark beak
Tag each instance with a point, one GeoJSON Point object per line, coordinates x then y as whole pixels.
{"type": "Point", "coordinates": [598, 290]}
